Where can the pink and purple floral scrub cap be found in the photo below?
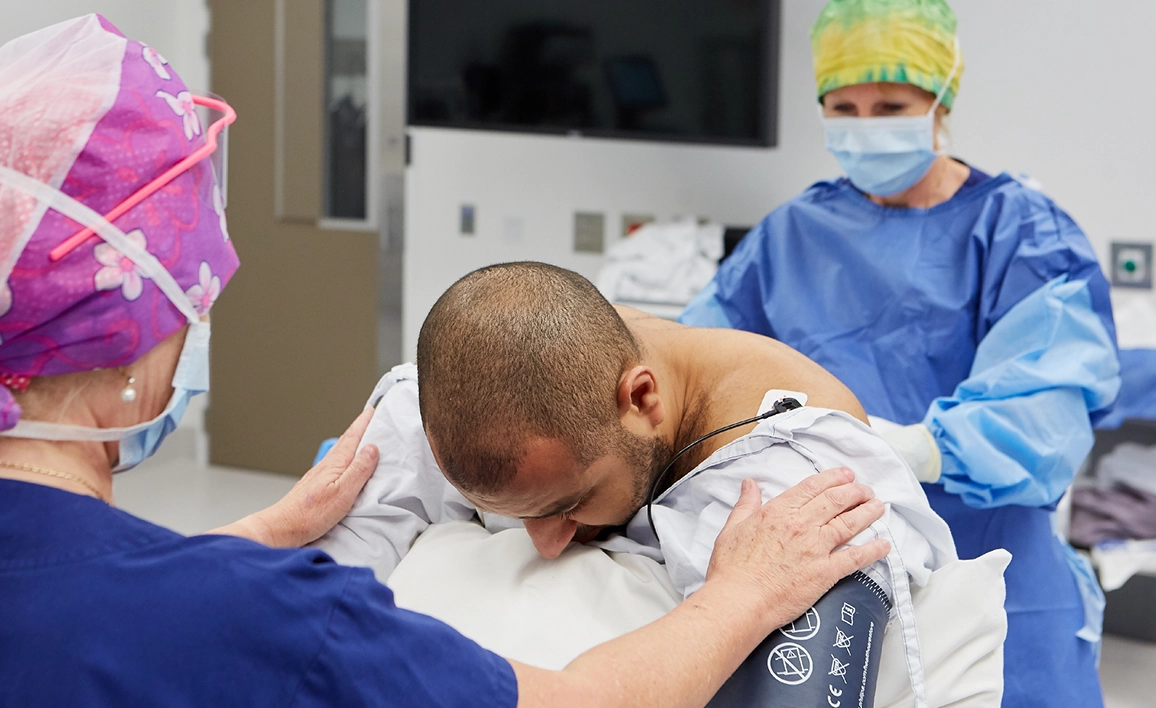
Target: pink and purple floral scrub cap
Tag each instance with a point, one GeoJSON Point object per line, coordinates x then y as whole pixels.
{"type": "Point", "coordinates": [96, 116]}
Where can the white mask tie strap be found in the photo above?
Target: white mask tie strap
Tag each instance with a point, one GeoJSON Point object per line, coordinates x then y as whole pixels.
{"type": "Point", "coordinates": [116, 238]}
{"type": "Point", "coordinates": [947, 81]}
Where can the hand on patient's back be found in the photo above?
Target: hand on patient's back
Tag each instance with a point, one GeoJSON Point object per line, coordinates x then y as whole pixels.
{"type": "Point", "coordinates": [787, 551]}
{"type": "Point", "coordinates": [321, 498]}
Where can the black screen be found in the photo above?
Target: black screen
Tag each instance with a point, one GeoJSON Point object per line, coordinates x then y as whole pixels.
{"type": "Point", "coordinates": [693, 70]}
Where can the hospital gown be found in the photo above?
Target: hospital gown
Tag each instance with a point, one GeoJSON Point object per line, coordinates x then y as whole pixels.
{"type": "Point", "coordinates": [408, 492]}
{"type": "Point", "coordinates": [985, 318]}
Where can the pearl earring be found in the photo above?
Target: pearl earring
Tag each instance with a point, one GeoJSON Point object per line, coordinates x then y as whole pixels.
{"type": "Point", "coordinates": [128, 395]}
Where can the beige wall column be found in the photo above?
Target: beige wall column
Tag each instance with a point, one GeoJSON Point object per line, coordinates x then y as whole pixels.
{"type": "Point", "coordinates": [294, 337]}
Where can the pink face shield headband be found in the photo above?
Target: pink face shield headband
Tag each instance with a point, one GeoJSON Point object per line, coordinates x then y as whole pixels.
{"type": "Point", "coordinates": [228, 115]}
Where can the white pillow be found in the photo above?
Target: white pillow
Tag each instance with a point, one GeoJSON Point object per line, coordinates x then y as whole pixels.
{"type": "Point", "coordinates": [961, 623]}
{"type": "Point", "coordinates": [498, 591]}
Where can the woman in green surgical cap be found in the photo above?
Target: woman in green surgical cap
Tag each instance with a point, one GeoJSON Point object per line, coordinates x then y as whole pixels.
{"type": "Point", "coordinates": [967, 312]}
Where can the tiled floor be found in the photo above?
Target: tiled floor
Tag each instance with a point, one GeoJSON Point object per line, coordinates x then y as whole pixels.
{"type": "Point", "coordinates": [189, 498]}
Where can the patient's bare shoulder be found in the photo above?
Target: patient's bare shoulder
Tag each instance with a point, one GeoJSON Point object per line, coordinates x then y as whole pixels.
{"type": "Point", "coordinates": [755, 364]}
{"type": "Point", "coordinates": [823, 389]}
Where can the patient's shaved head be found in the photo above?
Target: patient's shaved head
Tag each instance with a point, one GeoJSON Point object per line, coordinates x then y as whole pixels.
{"type": "Point", "coordinates": [515, 351]}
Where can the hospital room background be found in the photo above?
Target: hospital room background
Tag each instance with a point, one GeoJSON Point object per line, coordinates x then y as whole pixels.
{"type": "Point", "coordinates": [353, 207]}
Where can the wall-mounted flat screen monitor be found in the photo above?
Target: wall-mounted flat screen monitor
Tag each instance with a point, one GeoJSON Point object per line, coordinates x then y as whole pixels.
{"type": "Point", "coordinates": [683, 70]}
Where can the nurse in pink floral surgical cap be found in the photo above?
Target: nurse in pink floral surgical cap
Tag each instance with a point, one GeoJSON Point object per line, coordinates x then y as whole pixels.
{"type": "Point", "coordinates": [113, 249]}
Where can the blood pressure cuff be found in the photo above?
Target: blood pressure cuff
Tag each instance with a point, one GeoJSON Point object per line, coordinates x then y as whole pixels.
{"type": "Point", "coordinates": [828, 657]}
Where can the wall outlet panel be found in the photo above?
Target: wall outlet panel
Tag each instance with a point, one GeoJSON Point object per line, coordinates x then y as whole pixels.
{"type": "Point", "coordinates": [589, 232]}
{"type": "Point", "coordinates": [466, 220]}
{"type": "Point", "coordinates": [1131, 265]}
{"type": "Point", "coordinates": [632, 222]}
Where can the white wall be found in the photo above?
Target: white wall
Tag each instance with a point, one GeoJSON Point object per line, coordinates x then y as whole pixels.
{"type": "Point", "coordinates": [175, 28]}
{"type": "Point", "coordinates": [1052, 88]}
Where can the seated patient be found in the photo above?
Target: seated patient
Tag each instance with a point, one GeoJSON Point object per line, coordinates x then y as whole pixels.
{"type": "Point", "coordinates": [545, 406]}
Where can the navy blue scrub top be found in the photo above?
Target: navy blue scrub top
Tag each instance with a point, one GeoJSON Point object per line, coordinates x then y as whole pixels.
{"type": "Point", "coordinates": [100, 608]}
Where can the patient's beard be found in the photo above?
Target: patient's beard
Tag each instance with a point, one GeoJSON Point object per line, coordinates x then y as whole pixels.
{"type": "Point", "coordinates": [647, 456]}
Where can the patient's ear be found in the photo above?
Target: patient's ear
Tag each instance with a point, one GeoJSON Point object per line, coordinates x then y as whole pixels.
{"type": "Point", "coordinates": [638, 396]}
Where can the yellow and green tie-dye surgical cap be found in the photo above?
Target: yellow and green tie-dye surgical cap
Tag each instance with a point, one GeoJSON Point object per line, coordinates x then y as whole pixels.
{"type": "Point", "coordinates": [902, 41]}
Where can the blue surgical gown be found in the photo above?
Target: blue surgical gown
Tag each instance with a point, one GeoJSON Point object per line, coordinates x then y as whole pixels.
{"type": "Point", "coordinates": [99, 608]}
{"type": "Point", "coordinates": [898, 303]}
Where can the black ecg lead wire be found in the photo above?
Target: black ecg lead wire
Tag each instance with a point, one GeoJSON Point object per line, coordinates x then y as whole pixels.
{"type": "Point", "coordinates": [781, 406]}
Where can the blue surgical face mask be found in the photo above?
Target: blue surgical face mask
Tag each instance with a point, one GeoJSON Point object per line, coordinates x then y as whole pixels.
{"type": "Point", "coordinates": [883, 156]}
{"type": "Point", "coordinates": [141, 441]}
{"type": "Point", "coordinates": [886, 155]}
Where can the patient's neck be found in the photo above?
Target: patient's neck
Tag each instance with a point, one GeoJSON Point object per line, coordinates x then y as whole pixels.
{"type": "Point", "coordinates": [687, 386]}
{"type": "Point", "coordinates": [693, 409]}
{"type": "Point", "coordinates": [693, 421]}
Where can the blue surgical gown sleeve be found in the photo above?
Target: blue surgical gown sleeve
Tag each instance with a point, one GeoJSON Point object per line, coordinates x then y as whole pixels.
{"type": "Point", "coordinates": [741, 269]}
{"type": "Point", "coordinates": [705, 311]}
{"type": "Point", "coordinates": [1016, 430]}
{"type": "Point", "coordinates": [1046, 368]}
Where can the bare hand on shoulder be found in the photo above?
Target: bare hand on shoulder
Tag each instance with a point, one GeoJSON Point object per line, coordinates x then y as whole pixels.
{"type": "Point", "coordinates": [787, 552]}
{"type": "Point", "coordinates": [321, 498]}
